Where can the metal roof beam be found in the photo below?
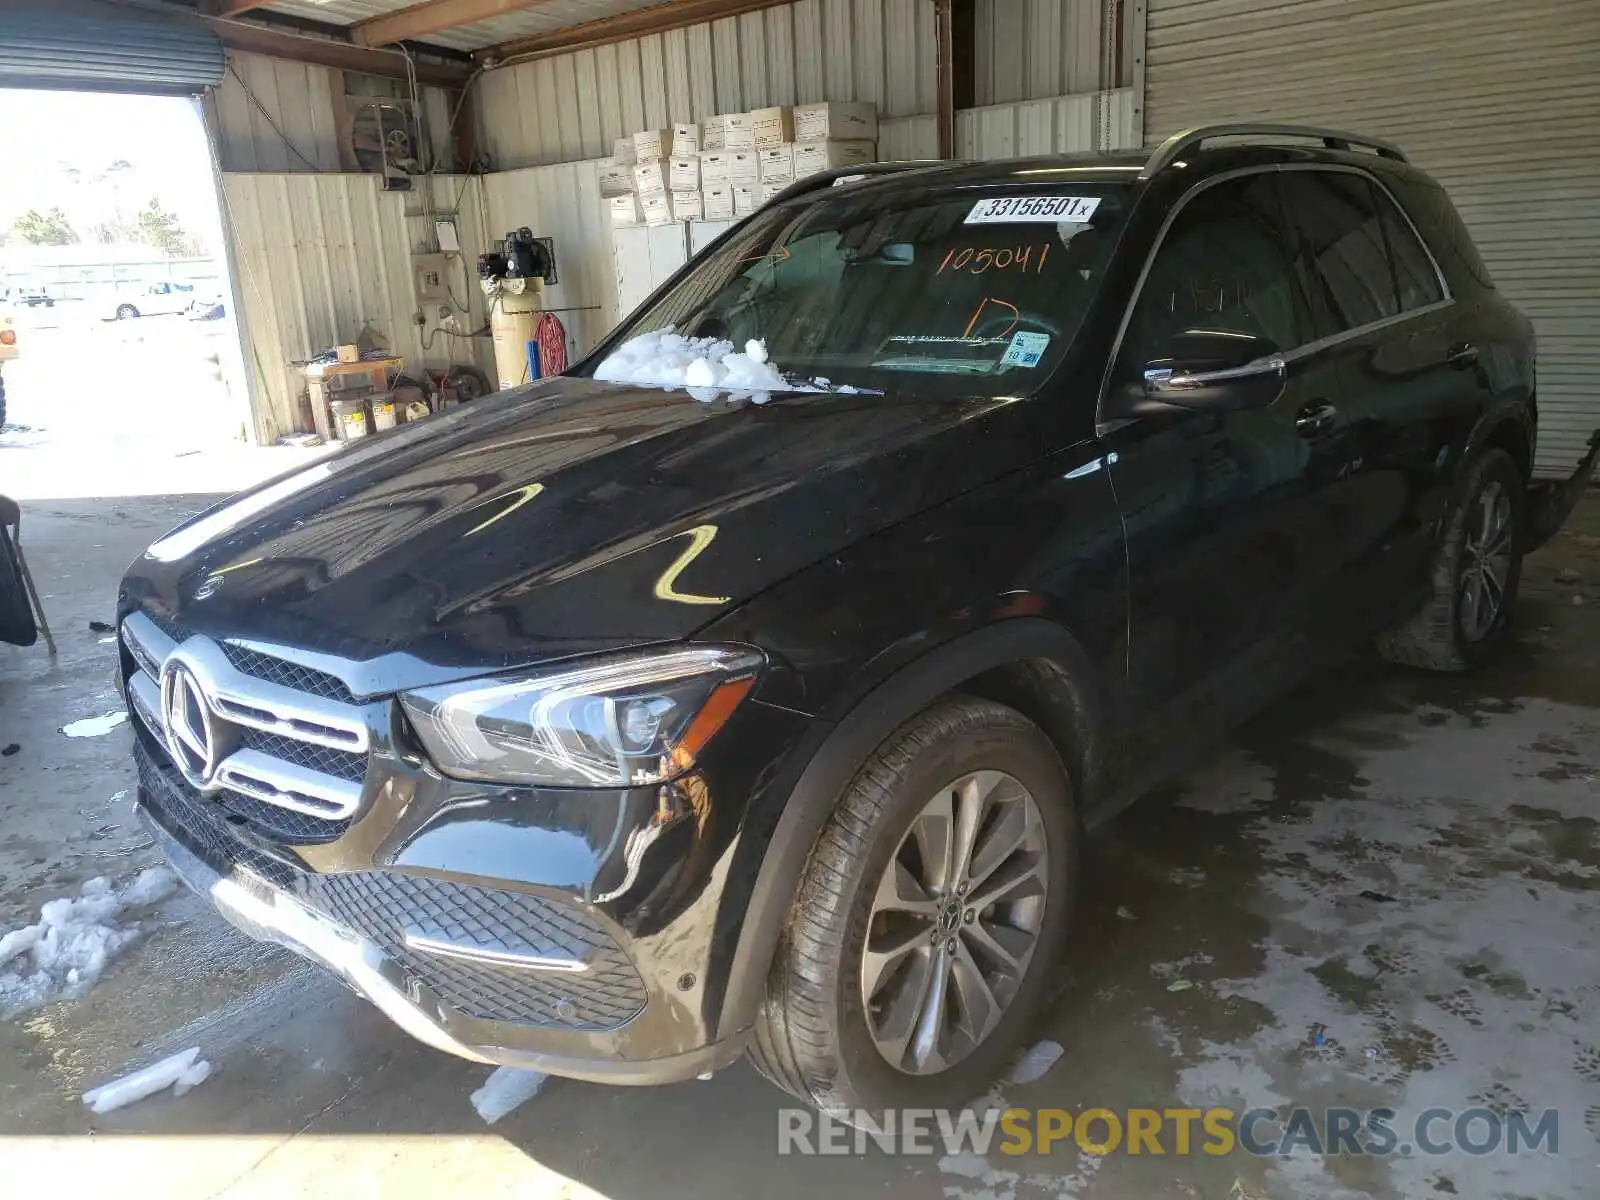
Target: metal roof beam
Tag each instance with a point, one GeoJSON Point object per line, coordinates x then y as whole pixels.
{"type": "Point", "coordinates": [431, 16]}
{"type": "Point", "coordinates": [659, 18]}
{"type": "Point", "coordinates": [341, 56]}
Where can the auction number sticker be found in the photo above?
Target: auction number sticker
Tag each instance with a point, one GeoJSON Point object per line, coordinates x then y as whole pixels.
{"type": "Point", "coordinates": [1041, 209]}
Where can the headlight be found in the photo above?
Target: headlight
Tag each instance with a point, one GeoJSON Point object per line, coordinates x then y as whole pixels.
{"type": "Point", "coordinates": [637, 719]}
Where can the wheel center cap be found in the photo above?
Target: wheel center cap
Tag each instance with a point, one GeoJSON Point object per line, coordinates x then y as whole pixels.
{"type": "Point", "coordinates": [950, 918]}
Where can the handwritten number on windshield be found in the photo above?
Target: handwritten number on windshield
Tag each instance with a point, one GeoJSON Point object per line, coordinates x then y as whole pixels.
{"type": "Point", "coordinates": [1001, 258]}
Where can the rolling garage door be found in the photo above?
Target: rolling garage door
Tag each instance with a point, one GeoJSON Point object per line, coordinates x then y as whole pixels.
{"type": "Point", "coordinates": [1499, 101]}
{"type": "Point", "coordinates": [88, 46]}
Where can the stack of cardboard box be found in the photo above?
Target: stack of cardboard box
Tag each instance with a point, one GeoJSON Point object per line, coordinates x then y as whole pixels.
{"type": "Point", "coordinates": [734, 162]}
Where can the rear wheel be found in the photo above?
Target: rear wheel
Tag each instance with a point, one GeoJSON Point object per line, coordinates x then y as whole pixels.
{"type": "Point", "coordinates": [930, 914]}
{"type": "Point", "coordinates": [1477, 571]}
{"type": "Point", "coordinates": [126, 312]}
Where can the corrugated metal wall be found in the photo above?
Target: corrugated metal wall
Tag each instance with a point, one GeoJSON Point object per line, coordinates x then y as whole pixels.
{"type": "Point", "coordinates": [302, 100]}
{"type": "Point", "coordinates": [1500, 102]}
{"type": "Point", "coordinates": [1103, 121]}
{"type": "Point", "coordinates": [575, 105]}
{"type": "Point", "coordinates": [321, 256]}
{"type": "Point", "coordinates": [1036, 49]}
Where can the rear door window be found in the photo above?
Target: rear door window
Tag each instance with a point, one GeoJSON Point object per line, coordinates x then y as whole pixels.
{"type": "Point", "coordinates": [1343, 249]}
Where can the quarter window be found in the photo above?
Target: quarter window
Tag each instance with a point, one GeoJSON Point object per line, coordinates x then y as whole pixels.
{"type": "Point", "coordinates": [1224, 264]}
{"type": "Point", "coordinates": [1413, 270]}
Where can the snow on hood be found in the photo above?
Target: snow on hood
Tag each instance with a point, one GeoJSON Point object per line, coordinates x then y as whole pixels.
{"type": "Point", "coordinates": [706, 367]}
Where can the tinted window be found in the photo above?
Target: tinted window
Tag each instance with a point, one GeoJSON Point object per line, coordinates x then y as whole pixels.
{"type": "Point", "coordinates": [953, 287]}
{"type": "Point", "coordinates": [1224, 264]}
{"type": "Point", "coordinates": [1446, 232]}
{"type": "Point", "coordinates": [1414, 272]}
{"type": "Point", "coordinates": [1343, 248]}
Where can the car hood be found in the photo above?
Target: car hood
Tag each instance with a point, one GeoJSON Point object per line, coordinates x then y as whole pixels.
{"type": "Point", "coordinates": [562, 518]}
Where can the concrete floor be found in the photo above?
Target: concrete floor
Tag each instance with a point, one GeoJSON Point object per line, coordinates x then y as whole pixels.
{"type": "Point", "coordinates": [1468, 803]}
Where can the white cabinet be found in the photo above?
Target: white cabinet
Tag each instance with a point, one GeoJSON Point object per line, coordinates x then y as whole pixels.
{"type": "Point", "coordinates": [647, 255]}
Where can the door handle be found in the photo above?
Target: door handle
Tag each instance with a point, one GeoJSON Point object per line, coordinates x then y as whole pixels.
{"type": "Point", "coordinates": [1315, 418]}
{"type": "Point", "coordinates": [1462, 355]}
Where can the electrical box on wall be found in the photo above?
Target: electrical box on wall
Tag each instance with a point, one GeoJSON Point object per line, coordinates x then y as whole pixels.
{"type": "Point", "coordinates": [432, 279]}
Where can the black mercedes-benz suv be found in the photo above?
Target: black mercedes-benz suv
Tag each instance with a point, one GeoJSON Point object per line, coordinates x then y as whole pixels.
{"type": "Point", "coordinates": [749, 689]}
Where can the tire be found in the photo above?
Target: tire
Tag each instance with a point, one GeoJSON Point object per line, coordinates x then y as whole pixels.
{"type": "Point", "coordinates": [126, 312]}
{"type": "Point", "coordinates": [2, 401]}
{"type": "Point", "coordinates": [1450, 634]}
{"type": "Point", "coordinates": [814, 1036]}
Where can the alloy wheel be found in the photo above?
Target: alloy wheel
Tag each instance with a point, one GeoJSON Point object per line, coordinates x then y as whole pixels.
{"type": "Point", "coordinates": [954, 922]}
{"type": "Point", "coordinates": [1486, 561]}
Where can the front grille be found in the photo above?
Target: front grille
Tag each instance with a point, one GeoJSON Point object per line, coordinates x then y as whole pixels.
{"type": "Point", "coordinates": [384, 907]}
{"type": "Point", "coordinates": [288, 674]}
{"type": "Point", "coordinates": [282, 785]}
{"type": "Point", "coordinates": [342, 764]}
{"type": "Point", "coordinates": [201, 825]}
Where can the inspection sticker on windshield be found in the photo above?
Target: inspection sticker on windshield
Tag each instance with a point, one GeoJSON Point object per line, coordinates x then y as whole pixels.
{"type": "Point", "coordinates": [1026, 349]}
{"type": "Point", "coordinates": [1028, 209]}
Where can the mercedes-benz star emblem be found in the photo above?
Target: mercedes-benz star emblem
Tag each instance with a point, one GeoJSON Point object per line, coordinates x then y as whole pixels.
{"type": "Point", "coordinates": [187, 721]}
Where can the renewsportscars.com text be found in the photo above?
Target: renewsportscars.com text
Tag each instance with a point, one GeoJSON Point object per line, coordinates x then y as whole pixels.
{"type": "Point", "coordinates": [1375, 1132]}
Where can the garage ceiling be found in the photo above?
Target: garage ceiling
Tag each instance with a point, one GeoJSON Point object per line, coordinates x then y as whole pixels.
{"type": "Point", "coordinates": [524, 20]}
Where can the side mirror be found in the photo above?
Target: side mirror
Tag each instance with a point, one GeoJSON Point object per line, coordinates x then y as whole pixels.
{"type": "Point", "coordinates": [1216, 370]}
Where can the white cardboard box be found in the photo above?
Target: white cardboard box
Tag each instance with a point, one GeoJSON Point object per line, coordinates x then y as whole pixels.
{"type": "Point", "coordinates": [685, 139]}
{"type": "Point", "coordinates": [616, 179]}
{"type": "Point", "coordinates": [683, 174]}
{"type": "Point", "coordinates": [653, 143]}
{"type": "Point", "coordinates": [625, 210]}
{"type": "Point", "coordinates": [836, 120]}
{"type": "Point", "coordinates": [744, 166]}
{"type": "Point", "coordinates": [650, 176]}
{"type": "Point", "coordinates": [714, 133]}
{"type": "Point", "coordinates": [717, 202]}
{"type": "Point", "coordinates": [767, 190]}
{"type": "Point", "coordinates": [771, 126]}
{"type": "Point", "coordinates": [714, 166]}
{"type": "Point", "coordinates": [622, 152]}
{"type": "Point", "coordinates": [657, 209]}
{"type": "Point", "coordinates": [811, 157]}
{"type": "Point", "coordinates": [738, 132]}
{"type": "Point", "coordinates": [746, 199]}
{"type": "Point", "coordinates": [687, 206]}
{"type": "Point", "coordinates": [777, 164]}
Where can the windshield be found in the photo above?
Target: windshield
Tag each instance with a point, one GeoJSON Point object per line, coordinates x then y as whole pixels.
{"type": "Point", "coordinates": [961, 287]}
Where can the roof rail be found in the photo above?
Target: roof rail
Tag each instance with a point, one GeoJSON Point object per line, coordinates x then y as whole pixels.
{"type": "Point", "coordinates": [1167, 153]}
{"type": "Point", "coordinates": [826, 179]}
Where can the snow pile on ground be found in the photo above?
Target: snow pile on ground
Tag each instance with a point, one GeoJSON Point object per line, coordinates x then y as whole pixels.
{"type": "Point", "coordinates": [705, 366]}
{"type": "Point", "coordinates": [182, 1073]}
{"type": "Point", "coordinates": [68, 948]}
{"type": "Point", "coordinates": [504, 1090]}
{"type": "Point", "coordinates": [95, 726]}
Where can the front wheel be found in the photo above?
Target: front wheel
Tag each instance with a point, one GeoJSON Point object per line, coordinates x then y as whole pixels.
{"type": "Point", "coordinates": [126, 312]}
{"type": "Point", "coordinates": [1477, 571]}
{"type": "Point", "coordinates": [930, 915]}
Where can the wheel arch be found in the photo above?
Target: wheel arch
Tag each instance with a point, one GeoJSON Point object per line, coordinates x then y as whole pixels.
{"type": "Point", "coordinates": [1031, 664]}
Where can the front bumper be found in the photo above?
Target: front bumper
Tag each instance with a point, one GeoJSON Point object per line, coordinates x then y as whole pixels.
{"type": "Point", "coordinates": [271, 914]}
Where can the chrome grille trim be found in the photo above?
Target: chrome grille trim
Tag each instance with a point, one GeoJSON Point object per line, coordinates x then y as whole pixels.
{"type": "Point", "coordinates": [147, 643]}
{"type": "Point", "coordinates": [254, 703]}
{"type": "Point", "coordinates": [289, 785]}
{"type": "Point", "coordinates": [271, 707]}
{"type": "Point", "coordinates": [145, 700]}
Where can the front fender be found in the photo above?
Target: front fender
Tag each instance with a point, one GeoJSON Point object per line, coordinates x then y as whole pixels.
{"type": "Point", "coordinates": [831, 761]}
